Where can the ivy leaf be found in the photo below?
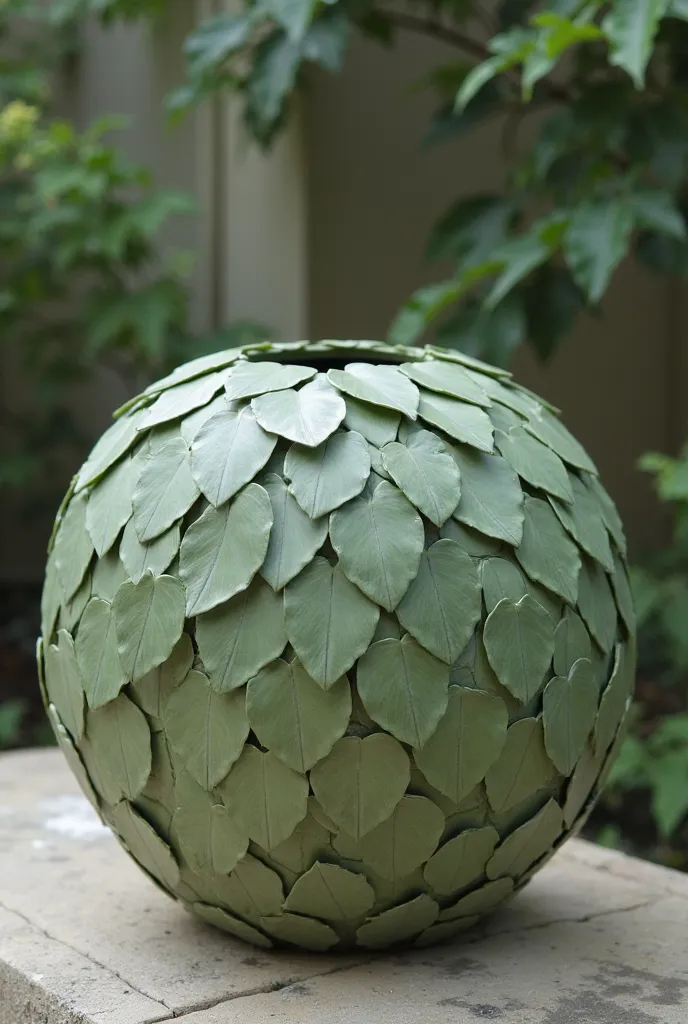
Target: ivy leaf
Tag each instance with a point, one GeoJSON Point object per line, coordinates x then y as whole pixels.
{"type": "Point", "coordinates": [596, 241]}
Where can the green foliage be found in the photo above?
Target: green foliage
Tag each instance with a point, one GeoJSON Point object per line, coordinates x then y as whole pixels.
{"type": "Point", "coordinates": [84, 281]}
{"type": "Point", "coordinates": [604, 176]}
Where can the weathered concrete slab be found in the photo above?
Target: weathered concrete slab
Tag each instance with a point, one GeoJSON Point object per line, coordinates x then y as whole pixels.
{"type": "Point", "coordinates": [596, 938]}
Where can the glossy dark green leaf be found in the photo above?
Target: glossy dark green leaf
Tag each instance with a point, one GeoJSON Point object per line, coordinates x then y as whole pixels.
{"type": "Point", "coordinates": [596, 603]}
{"type": "Point", "coordinates": [427, 474]}
{"type": "Point", "coordinates": [307, 416]}
{"type": "Point", "coordinates": [405, 840]}
{"type": "Point", "coordinates": [491, 496]}
{"type": "Point", "coordinates": [466, 423]}
{"type": "Point", "coordinates": [523, 767]}
{"type": "Point", "coordinates": [236, 639]}
{"type": "Point", "coordinates": [501, 578]}
{"type": "Point", "coordinates": [361, 781]}
{"type": "Point", "coordinates": [552, 432]}
{"type": "Point", "coordinates": [64, 683]}
{"type": "Point", "coordinates": [622, 593]}
{"type": "Point", "coordinates": [596, 241]}
{"type": "Point", "coordinates": [72, 755]}
{"type": "Point", "coordinates": [481, 901]}
{"type": "Point", "coordinates": [527, 844]}
{"type": "Point", "coordinates": [294, 538]}
{"type": "Point", "coordinates": [96, 652]}
{"type": "Point", "coordinates": [293, 716]}
{"type": "Point", "coordinates": [328, 621]}
{"type": "Point", "coordinates": [206, 729]}
{"type": "Point", "coordinates": [571, 642]}
{"type": "Point", "coordinates": [224, 548]}
{"type": "Point", "coordinates": [535, 463]}
{"type": "Point", "coordinates": [448, 379]}
{"type": "Point", "coordinates": [403, 688]}
{"type": "Point", "coordinates": [378, 425]}
{"type": "Point", "coordinates": [165, 490]}
{"type": "Point", "coordinates": [121, 739]}
{"type": "Point", "coordinates": [442, 605]}
{"type": "Point", "coordinates": [467, 742]}
{"type": "Point", "coordinates": [461, 861]}
{"type": "Point", "coordinates": [206, 834]}
{"type": "Point", "coordinates": [615, 699]}
{"type": "Point", "coordinates": [332, 893]}
{"type": "Point", "coordinates": [149, 619]}
{"type": "Point", "coordinates": [300, 931]}
{"type": "Point", "coordinates": [519, 640]}
{"type": "Point", "coordinates": [569, 710]}
{"type": "Point", "coordinates": [547, 553]}
{"type": "Point", "coordinates": [155, 556]}
{"type": "Point", "coordinates": [73, 546]}
{"type": "Point", "coordinates": [232, 925]}
{"type": "Point", "coordinates": [379, 541]}
{"type": "Point", "coordinates": [228, 451]}
{"type": "Point", "coordinates": [182, 399]}
{"type": "Point", "coordinates": [109, 504]}
{"type": "Point", "coordinates": [267, 798]}
{"type": "Point", "coordinates": [473, 543]}
{"type": "Point", "coordinates": [249, 379]}
{"type": "Point", "coordinates": [384, 386]}
{"type": "Point", "coordinates": [398, 924]}
{"type": "Point", "coordinates": [323, 478]}
{"type": "Point", "coordinates": [145, 845]}
{"type": "Point", "coordinates": [153, 690]}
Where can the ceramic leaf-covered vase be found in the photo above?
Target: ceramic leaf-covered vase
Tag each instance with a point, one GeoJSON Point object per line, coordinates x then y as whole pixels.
{"type": "Point", "coordinates": [338, 639]}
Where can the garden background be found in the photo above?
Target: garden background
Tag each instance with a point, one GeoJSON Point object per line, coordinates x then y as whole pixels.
{"type": "Point", "coordinates": [506, 178]}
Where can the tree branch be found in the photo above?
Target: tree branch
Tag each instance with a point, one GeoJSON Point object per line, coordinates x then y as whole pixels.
{"type": "Point", "coordinates": [473, 47]}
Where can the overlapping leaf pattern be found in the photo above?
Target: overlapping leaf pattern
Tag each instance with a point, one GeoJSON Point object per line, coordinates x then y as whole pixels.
{"type": "Point", "coordinates": [300, 625]}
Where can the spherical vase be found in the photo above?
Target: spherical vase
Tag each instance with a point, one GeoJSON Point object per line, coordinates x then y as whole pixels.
{"type": "Point", "coordinates": [338, 639]}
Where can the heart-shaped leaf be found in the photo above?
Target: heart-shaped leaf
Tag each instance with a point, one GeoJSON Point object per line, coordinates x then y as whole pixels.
{"type": "Point", "coordinates": [427, 474]}
{"type": "Point", "coordinates": [165, 490]}
{"type": "Point", "coordinates": [328, 621]}
{"type": "Point", "coordinates": [491, 496]}
{"type": "Point", "coordinates": [119, 733]}
{"type": "Point", "coordinates": [527, 844]}
{"type": "Point", "coordinates": [405, 840]}
{"type": "Point", "coordinates": [224, 548]}
{"type": "Point", "coordinates": [267, 798]}
{"type": "Point", "coordinates": [379, 541]}
{"type": "Point", "coordinates": [547, 553]}
{"type": "Point", "coordinates": [294, 538]}
{"type": "Point", "coordinates": [535, 462]}
{"type": "Point", "coordinates": [248, 379]}
{"type": "Point", "coordinates": [448, 379]}
{"type": "Point", "coordinates": [403, 688]}
{"type": "Point", "coordinates": [519, 640]}
{"type": "Point", "coordinates": [442, 606]}
{"type": "Point", "coordinates": [379, 385]}
{"type": "Point", "coordinates": [149, 619]}
{"type": "Point", "coordinates": [307, 416]}
{"type": "Point", "coordinates": [569, 710]}
{"type": "Point", "coordinates": [467, 742]}
{"type": "Point", "coordinates": [361, 781]}
{"type": "Point", "coordinates": [293, 716]}
{"type": "Point", "coordinates": [96, 653]}
{"type": "Point", "coordinates": [523, 767]}
{"type": "Point", "coordinates": [323, 478]}
{"type": "Point", "coordinates": [462, 421]}
{"type": "Point", "coordinates": [206, 729]}
{"type": "Point", "coordinates": [228, 451]}
{"type": "Point", "coordinates": [332, 893]}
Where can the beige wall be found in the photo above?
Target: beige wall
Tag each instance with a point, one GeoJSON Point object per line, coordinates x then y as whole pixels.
{"type": "Point", "coordinates": [374, 193]}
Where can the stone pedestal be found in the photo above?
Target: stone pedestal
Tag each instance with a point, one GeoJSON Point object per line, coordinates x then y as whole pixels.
{"type": "Point", "coordinates": [85, 938]}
